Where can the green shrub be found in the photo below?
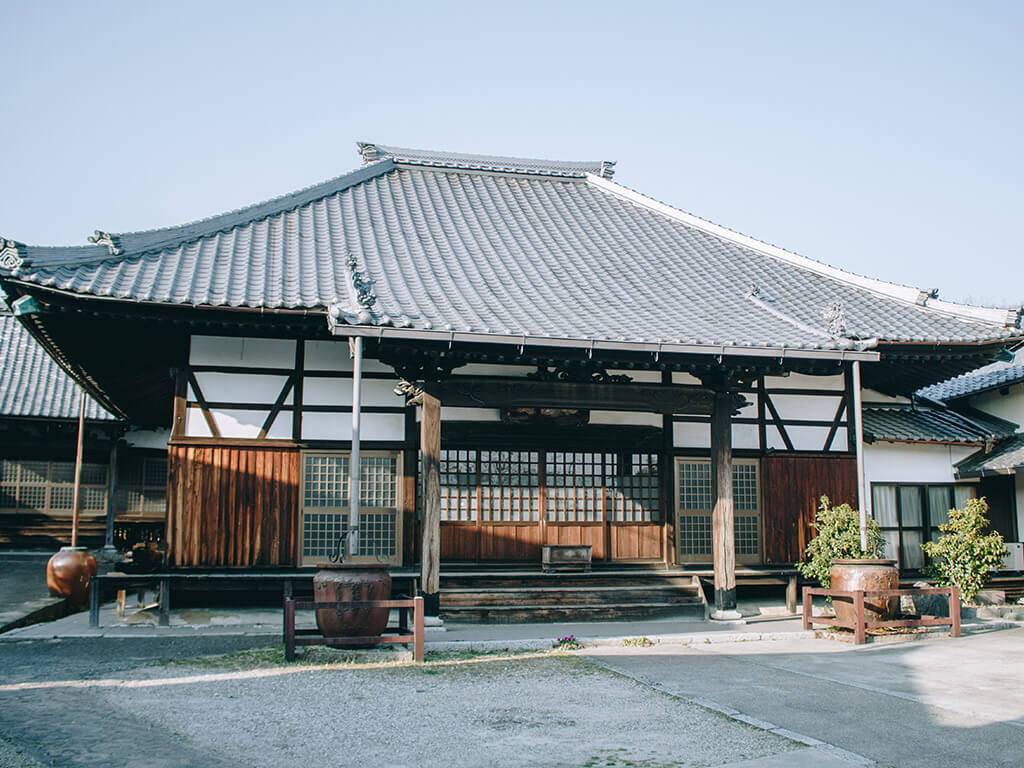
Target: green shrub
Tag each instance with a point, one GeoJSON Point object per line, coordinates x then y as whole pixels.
{"type": "Point", "coordinates": [837, 537]}
{"type": "Point", "coordinates": [963, 555]}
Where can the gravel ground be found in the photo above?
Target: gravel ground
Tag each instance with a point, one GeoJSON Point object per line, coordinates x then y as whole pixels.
{"type": "Point", "coordinates": [549, 711]}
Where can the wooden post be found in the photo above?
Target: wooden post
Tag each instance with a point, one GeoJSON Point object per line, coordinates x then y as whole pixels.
{"type": "Point", "coordinates": [430, 553]}
{"type": "Point", "coordinates": [77, 490]}
{"type": "Point", "coordinates": [954, 610]}
{"type": "Point", "coordinates": [859, 628]}
{"type": "Point", "coordinates": [667, 482]}
{"type": "Point", "coordinates": [108, 543]}
{"type": "Point", "coordinates": [417, 629]}
{"type": "Point", "coordinates": [289, 629]}
{"type": "Point", "coordinates": [165, 603]}
{"type": "Point", "coordinates": [791, 588]}
{"type": "Point", "coordinates": [808, 608]}
{"type": "Point", "coordinates": [723, 535]}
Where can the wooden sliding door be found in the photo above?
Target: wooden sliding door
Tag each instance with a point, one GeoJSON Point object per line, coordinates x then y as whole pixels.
{"type": "Point", "coordinates": [504, 505]}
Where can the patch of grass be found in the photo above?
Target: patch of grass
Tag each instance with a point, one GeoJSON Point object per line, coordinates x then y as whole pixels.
{"type": "Point", "coordinates": [637, 642]}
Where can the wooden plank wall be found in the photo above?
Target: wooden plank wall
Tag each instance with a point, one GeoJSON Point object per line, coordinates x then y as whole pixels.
{"type": "Point", "coordinates": [791, 487]}
{"type": "Point", "coordinates": [232, 505]}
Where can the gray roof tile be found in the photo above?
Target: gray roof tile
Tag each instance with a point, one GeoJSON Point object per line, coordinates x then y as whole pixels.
{"type": "Point", "coordinates": [507, 246]}
{"type": "Point", "coordinates": [933, 425]}
{"type": "Point", "coordinates": [975, 383]}
{"type": "Point", "coordinates": [32, 384]}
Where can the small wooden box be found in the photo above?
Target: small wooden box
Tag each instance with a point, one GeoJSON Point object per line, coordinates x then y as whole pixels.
{"type": "Point", "coordinates": [561, 557]}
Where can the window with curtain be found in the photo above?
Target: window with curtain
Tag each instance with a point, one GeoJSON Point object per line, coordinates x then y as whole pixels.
{"type": "Point", "coordinates": [909, 515]}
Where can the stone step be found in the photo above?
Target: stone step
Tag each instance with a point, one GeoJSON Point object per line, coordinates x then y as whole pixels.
{"type": "Point", "coordinates": [588, 595]}
{"type": "Point", "coordinates": [577, 613]}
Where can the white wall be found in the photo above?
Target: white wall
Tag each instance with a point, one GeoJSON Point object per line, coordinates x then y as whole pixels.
{"type": "Point", "coordinates": [148, 438]}
{"type": "Point", "coordinates": [912, 462]}
{"type": "Point", "coordinates": [1009, 406]}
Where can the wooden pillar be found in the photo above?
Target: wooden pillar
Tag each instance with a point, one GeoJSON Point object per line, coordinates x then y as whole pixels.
{"type": "Point", "coordinates": [430, 553]}
{"type": "Point", "coordinates": [723, 537]}
{"type": "Point", "coordinates": [108, 543]}
{"type": "Point", "coordinates": [667, 482]}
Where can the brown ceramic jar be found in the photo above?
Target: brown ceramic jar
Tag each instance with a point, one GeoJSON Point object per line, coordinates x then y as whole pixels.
{"type": "Point", "coordinates": [68, 574]}
{"type": "Point", "coordinates": [352, 582]}
{"type": "Point", "coordinates": [866, 574]}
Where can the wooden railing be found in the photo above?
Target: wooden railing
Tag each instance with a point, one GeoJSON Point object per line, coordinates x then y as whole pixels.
{"type": "Point", "coordinates": [294, 637]}
{"type": "Point", "coordinates": [861, 625]}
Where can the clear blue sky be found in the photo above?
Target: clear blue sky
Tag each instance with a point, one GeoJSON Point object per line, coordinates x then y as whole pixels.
{"type": "Point", "coordinates": [884, 138]}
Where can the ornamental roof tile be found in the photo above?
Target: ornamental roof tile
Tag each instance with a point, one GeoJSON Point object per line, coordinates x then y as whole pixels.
{"type": "Point", "coordinates": [505, 246]}
{"type": "Point", "coordinates": [1007, 457]}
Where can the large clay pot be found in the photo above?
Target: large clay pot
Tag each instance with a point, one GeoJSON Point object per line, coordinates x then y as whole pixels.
{"type": "Point", "coordinates": [68, 574]}
{"type": "Point", "coordinates": [866, 574]}
{"type": "Point", "coordinates": [352, 582]}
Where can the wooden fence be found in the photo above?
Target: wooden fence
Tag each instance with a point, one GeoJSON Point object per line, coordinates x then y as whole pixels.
{"type": "Point", "coordinates": [860, 625]}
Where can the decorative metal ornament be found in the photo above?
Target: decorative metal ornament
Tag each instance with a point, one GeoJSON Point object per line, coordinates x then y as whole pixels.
{"type": "Point", "coordinates": [362, 284]}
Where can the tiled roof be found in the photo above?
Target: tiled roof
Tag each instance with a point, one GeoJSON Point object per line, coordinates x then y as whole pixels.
{"type": "Point", "coordinates": [504, 246]}
{"type": "Point", "coordinates": [32, 384]}
{"type": "Point", "coordinates": [905, 423]}
{"type": "Point", "coordinates": [1007, 457]}
{"type": "Point", "coordinates": [975, 383]}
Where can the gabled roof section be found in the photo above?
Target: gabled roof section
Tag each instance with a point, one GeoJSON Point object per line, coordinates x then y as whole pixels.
{"type": "Point", "coordinates": [916, 424]}
{"type": "Point", "coordinates": [975, 383]}
{"type": "Point", "coordinates": [1005, 458]}
{"type": "Point", "coordinates": [31, 382]}
{"type": "Point", "coordinates": [455, 161]}
{"type": "Point", "coordinates": [495, 248]}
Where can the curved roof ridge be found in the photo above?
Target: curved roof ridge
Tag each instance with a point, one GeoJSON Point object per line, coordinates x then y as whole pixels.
{"type": "Point", "coordinates": [1006, 318]}
{"type": "Point", "coordinates": [458, 160]}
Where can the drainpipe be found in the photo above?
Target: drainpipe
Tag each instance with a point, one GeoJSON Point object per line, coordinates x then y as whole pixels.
{"type": "Point", "coordinates": [863, 502]}
{"type": "Point", "coordinates": [353, 465]}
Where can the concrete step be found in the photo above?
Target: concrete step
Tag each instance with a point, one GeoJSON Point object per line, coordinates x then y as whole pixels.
{"type": "Point", "coordinates": [578, 580]}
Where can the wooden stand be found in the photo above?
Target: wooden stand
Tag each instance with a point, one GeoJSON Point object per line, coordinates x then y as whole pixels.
{"type": "Point", "coordinates": [860, 625]}
{"type": "Point", "coordinates": [294, 637]}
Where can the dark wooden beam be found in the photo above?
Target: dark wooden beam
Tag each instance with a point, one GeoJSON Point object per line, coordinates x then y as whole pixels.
{"type": "Point", "coordinates": [203, 405]}
{"type": "Point", "coordinates": [651, 398]}
{"type": "Point", "coordinates": [778, 422]}
{"type": "Point", "coordinates": [430, 553]}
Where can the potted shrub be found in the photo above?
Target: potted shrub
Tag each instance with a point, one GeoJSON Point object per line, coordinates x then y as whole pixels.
{"type": "Point", "coordinates": [964, 555]}
{"type": "Point", "coordinates": [836, 559]}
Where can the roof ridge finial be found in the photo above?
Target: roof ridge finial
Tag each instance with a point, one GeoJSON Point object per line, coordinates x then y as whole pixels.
{"type": "Point", "coordinates": [112, 242]}
{"type": "Point", "coordinates": [835, 316]}
{"type": "Point", "coordinates": [9, 258]}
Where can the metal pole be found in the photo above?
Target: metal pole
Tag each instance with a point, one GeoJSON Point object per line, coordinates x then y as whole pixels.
{"type": "Point", "coordinates": [863, 503]}
{"type": "Point", "coordinates": [108, 543]}
{"type": "Point", "coordinates": [77, 491]}
{"type": "Point", "coordinates": [353, 467]}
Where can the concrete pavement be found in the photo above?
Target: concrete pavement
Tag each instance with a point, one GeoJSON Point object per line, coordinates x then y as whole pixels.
{"type": "Point", "coordinates": [926, 704]}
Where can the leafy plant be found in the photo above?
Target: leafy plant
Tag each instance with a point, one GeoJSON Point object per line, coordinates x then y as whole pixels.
{"type": "Point", "coordinates": [837, 537]}
{"type": "Point", "coordinates": [963, 555]}
{"type": "Point", "coordinates": [637, 642]}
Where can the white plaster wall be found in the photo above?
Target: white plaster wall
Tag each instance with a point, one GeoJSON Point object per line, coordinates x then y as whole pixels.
{"type": "Point", "coordinates": [324, 391]}
{"type": "Point", "coordinates": [239, 388]}
{"type": "Point", "coordinates": [912, 463]}
{"type": "Point", "coordinates": [869, 396]}
{"type": "Point", "coordinates": [640, 377]}
{"type": "Point", "coordinates": [229, 350]}
{"type": "Point", "coordinates": [338, 426]}
{"type": "Point", "coordinates": [148, 438]}
{"type": "Point", "coordinates": [335, 356]}
{"type": "Point", "coordinates": [689, 435]}
{"type": "Point", "coordinates": [626, 417]}
{"type": "Point", "coordinates": [685, 378]}
{"type": "Point", "coordinates": [805, 407]}
{"type": "Point", "coordinates": [454, 413]}
{"type": "Point", "coordinates": [482, 369]}
{"type": "Point", "coordinates": [1009, 406]}
{"type": "Point", "coordinates": [803, 381]}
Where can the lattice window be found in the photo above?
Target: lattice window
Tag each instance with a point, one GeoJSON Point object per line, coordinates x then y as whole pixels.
{"type": "Point", "coordinates": [459, 470]}
{"type": "Point", "coordinates": [509, 486]}
{"type": "Point", "coordinates": [325, 491]}
{"type": "Point", "coordinates": [695, 501]}
{"type": "Point", "coordinates": [575, 486]}
{"type": "Point", "coordinates": [633, 490]}
{"type": "Point", "coordinates": [41, 486]}
{"type": "Point", "coordinates": [142, 486]}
